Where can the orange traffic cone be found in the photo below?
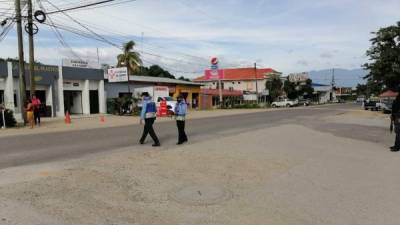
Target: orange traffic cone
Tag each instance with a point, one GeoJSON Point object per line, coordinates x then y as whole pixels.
{"type": "Point", "coordinates": [102, 119]}
{"type": "Point", "coordinates": [67, 118]}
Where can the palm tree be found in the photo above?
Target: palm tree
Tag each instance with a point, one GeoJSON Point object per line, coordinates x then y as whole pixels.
{"type": "Point", "coordinates": [129, 58]}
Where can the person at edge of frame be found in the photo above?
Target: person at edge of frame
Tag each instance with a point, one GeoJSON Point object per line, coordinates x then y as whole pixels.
{"type": "Point", "coordinates": [395, 117]}
{"type": "Point", "coordinates": [148, 115]}
{"type": "Point", "coordinates": [180, 116]}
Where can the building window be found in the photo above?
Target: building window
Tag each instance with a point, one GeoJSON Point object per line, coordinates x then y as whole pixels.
{"type": "Point", "coordinates": [233, 82]}
{"type": "Point", "coordinates": [230, 88]}
{"type": "Point", "coordinates": [238, 82]}
{"type": "Point", "coordinates": [15, 100]}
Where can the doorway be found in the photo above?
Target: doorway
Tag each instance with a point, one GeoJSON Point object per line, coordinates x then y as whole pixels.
{"type": "Point", "coordinates": [73, 102]}
{"type": "Point", "coordinates": [1, 97]}
{"type": "Point", "coordinates": [94, 102]}
{"type": "Point", "coordinates": [195, 100]}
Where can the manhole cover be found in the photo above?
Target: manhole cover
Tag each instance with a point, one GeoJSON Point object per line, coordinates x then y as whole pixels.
{"type": "Point", "coordinates": [201, 195]}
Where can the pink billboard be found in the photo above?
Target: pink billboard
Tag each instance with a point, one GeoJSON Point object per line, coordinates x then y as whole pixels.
{"type": "Point", "coordinates": [214, 74]}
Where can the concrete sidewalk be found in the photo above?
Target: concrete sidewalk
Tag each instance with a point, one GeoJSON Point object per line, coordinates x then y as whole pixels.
{"type": "Point", "coordinates": [50, 125]}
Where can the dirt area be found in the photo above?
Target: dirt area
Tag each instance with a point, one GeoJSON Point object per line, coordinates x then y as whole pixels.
{"type": "Point", "coordinates": [261, 177]}
{"type": "Point", "coordinates": [361, 117]}
{"type": "Point", "coordinates": [92, 122]}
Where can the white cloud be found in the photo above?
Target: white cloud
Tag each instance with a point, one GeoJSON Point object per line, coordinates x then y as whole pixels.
{"type": "Point", "coordinates": [289, 35]}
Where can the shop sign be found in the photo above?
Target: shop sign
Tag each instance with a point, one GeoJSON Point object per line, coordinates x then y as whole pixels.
{"type": "Point", "coordinates": [118, 74]}
{"type": "Point", "coordinates": [214, 74]}
{"type": "Point", "coordinates": [77, 63]}
{"type": "Point", "coordinates": [160, 88]}
{"type": "Point", "coordinates": [298, 77]}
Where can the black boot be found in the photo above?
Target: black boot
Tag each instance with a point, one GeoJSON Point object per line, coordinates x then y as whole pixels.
{"type": "Point", "coordinates": [394, 149]}
{"type": "Point", "coordinates": [156, 144]}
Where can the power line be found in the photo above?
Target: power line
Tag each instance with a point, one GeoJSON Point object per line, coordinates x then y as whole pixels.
{"type": "Point", "coordinates": [94, 33]}
{"type": "Point", "coordinates": [78, 7]}
{"type": "Point", "coordinates": [60, 36]}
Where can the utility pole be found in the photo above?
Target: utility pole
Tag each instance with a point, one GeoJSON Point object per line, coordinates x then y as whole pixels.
{"type": "Point", "coordinates": [31, 50]}
{"type": "Point", "coordinates": [127, 69]}
{"type": "Point", "coordinates": [141, 67]}
{"type": "Point", "coordinates": [98, 56]}
{"type": "Point", "coordinates": [333, 83]}
{"type": "Point", "coordinates": [22, 85]}
{"type": "Point", "coordinates": [255, 74]}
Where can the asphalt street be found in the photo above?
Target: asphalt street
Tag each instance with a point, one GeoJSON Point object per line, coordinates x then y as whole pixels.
{"type": "Point", "coordinates": [30, 149]}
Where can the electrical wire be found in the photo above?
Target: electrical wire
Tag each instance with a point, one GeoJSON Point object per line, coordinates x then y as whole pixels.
{"type": "Point", "coordinates": [60, 37]}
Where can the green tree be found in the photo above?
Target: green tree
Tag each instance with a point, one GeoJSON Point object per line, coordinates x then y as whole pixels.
{"type": "Point", "coordinates": [183, 78]}
{"type": "Point", "coordinates": [274, 86]}
{"type": "Point", "coordinates": [290, 89]}
{"type": "Point", "coordinates": [370, 88]}
{"type": "Point", "coordinates": [157, 71]}
{"type": "Point", "coordinates": [130, 58]}
{"type": "Point", "coordinates": [384, 54]}
{"type": "Point", "coordinates": [306, 90]}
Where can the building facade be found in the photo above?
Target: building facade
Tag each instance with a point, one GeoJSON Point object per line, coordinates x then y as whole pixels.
{"type": "Point", "coordinates": [60, 89]}
{"type": "Point", "coordinates": [189, 90]}
{"type": "Point", "coordinates": [242, 79]}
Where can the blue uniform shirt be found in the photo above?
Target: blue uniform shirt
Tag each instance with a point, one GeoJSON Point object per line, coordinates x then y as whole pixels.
{"type": "Point", "coordinates": [146, 100]}
{"type": "Point", "coordinates": [181, 108]}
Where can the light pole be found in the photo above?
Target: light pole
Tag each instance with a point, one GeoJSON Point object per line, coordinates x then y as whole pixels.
{"type": "Point", "coordinates": [22, 85]}
{"type": "Point", "coordinates": [255, 75]}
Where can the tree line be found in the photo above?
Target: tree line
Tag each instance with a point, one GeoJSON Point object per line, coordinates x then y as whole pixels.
{"type": "Point", "coordinates": [384, 62]}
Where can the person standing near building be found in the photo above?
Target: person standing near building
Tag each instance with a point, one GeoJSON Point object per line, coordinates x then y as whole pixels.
{"type": "Point", "coordinates": [148, 115]}
{"type": "Point", "coordinates": [29, 113]}
{"type": "Point", "coordinates": [396, 120]}
{"type": "Point", "coordinates": [36, 109]}
{"type": "Point", "coordinates": [180, 115]}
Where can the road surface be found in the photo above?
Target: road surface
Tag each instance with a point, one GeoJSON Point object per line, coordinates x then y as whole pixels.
{"type": "Point", "coordinates": [39, 148]}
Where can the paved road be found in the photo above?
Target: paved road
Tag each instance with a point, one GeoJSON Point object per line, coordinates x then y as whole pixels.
{"type": "Point", "coordinates": [31, 149]}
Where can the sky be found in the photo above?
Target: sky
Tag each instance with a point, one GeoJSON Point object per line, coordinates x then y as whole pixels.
{"type": "Point", "coordinates": [182, 35]}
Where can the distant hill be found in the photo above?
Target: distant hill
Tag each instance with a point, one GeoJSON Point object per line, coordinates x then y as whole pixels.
{"type": "Point", "coordinates": [343, 77]}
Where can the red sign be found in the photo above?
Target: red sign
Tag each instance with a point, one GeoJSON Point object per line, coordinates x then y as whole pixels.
{"type": "Point", "coordinates": [214, 61]}
{"type": "Point", "coordinates": [214, 74]}
{"type": "Point", "coordinates": [163, 110]}
{"type": "Point", "coordinates": [161, 88]}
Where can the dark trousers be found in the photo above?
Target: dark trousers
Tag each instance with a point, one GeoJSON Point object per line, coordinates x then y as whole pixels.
{"type": "Point", "coordinates": [397, 130]}
{"type": "Point", "coordinates": [148, 129]}
{"type": "Point", "coordinates": [181, 131]}
{"type": "Point", "coordinates": [36, 114]}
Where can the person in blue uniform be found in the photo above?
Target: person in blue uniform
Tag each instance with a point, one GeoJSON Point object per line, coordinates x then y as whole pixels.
{"type": "Point", "coordinates": [180, 116]}
{"type": "Point", "coordinates": [148, 115]}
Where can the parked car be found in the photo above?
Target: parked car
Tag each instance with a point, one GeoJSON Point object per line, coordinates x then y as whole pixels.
{"type": "Point", "coordinates": [371, 105]}
{"type": "Point", "coordinates": [304, 102]}
{"type": "Point", "coordinates": [284, 103]}
{"type": "Point", "coordinates": [386, 105]}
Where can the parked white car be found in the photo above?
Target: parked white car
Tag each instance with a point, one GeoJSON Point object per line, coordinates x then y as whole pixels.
{"type": "Point", "coordinates": [284, 103]}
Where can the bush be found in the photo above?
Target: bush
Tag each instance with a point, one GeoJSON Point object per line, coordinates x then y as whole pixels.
{"type": "Point", "coordinates": [122, 106]}
{"type": "Point", "coordinates": [247, 106]}
{"type": "Point", "coordinates": [9, 117]}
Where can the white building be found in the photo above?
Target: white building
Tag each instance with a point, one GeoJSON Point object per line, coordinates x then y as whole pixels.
{"type": "Point", "coordinates": [324, 93]}
{"type": "Point", "coordinates": [60, 89]}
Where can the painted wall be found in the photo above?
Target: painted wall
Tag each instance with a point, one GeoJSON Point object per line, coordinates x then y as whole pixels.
{"type": "Point", "coordinates": [243, 85]}
{"type": "Point", "coordinates": [113, 89]}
